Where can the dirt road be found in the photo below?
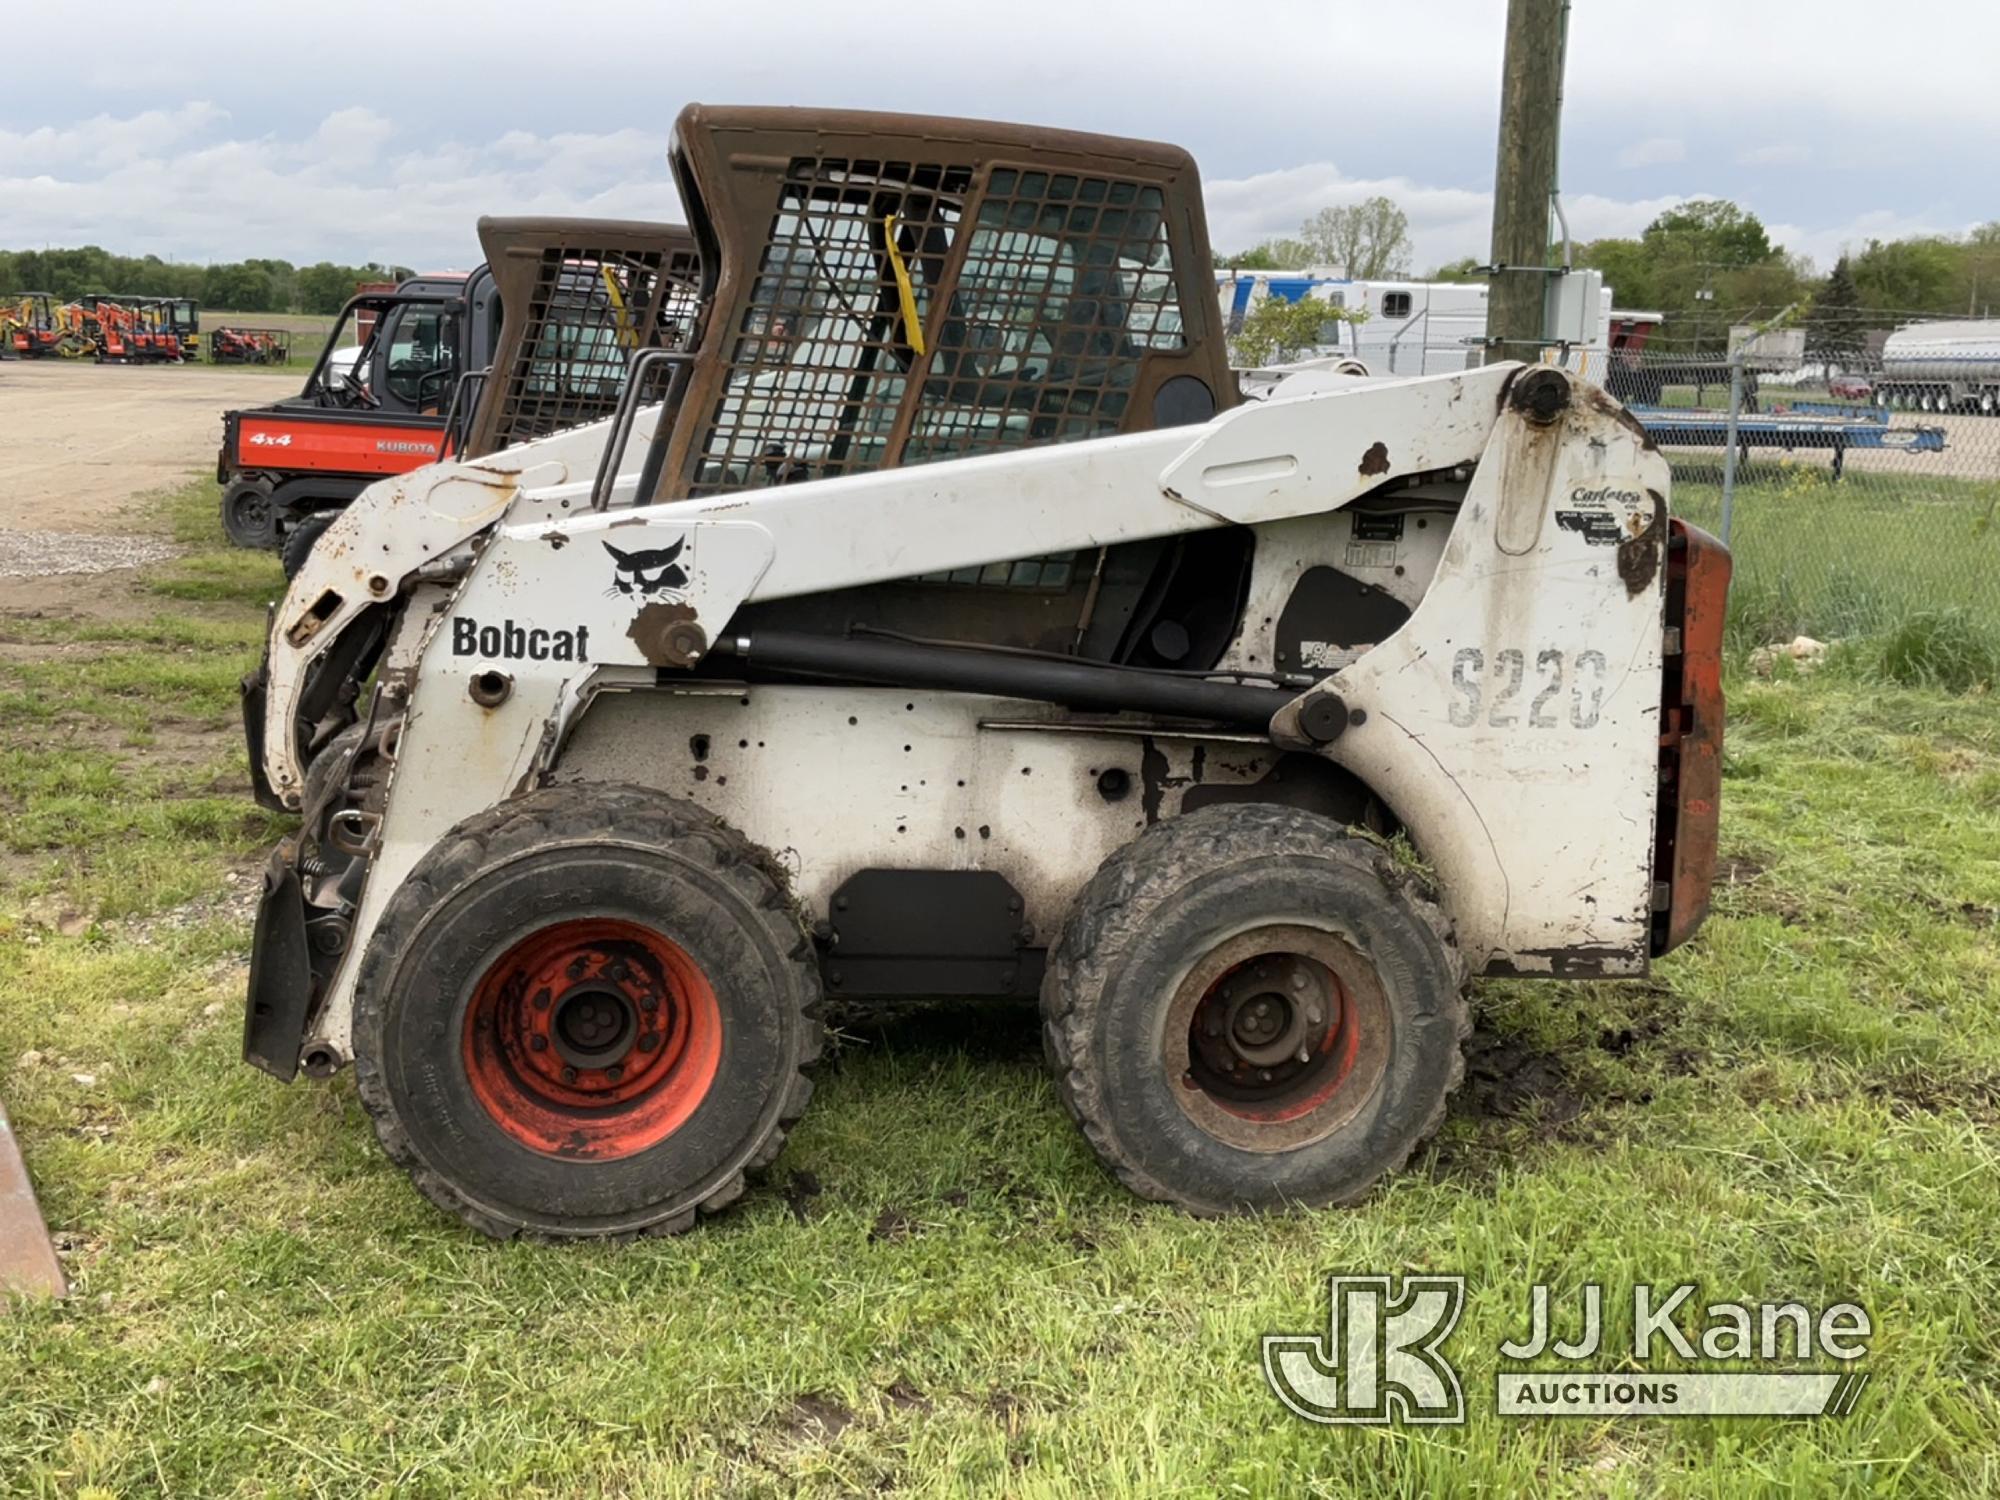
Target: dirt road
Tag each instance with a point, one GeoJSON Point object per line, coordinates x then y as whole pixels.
{"type": "Point", "coordinates": [85, 440]}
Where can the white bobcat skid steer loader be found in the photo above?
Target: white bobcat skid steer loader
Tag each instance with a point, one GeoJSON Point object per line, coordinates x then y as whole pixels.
{"type": "Point", "coordinates": [958, 634]}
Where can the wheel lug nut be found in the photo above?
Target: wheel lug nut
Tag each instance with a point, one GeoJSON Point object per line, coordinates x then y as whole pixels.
{"type": "Point", "coordinates": [541, 1000]}
{"type": "Point", "coordinates": [1214, 1027]}
{"type": "Point", "coordinates": [650, 1042]}
{"type": "Point", "coordinates": [1298, 981]}
{"type": "Point", "coordinates": [649, 1001]}
{"type": "Point", "coordinates": [576, 968]}
{"type": "Point", "coordinates": [1305, 1054]}
{"type": "Point", "coordinates": [614, 1072]}
{"type": "Point", "coordinates": [1264, 1075]}
{"type": "Point", "coordinates": [538, 1044]}
{"type": "Point", "coordinates": [1313, 1017]}
{"type": "Point", "coordinates": [569, 1075]}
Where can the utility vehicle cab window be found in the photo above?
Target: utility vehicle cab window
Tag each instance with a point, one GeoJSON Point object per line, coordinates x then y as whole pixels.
{"type": "Point", "coordinates": [418, 357]}
{"type": "Point", "coordinates": [1395, 304]}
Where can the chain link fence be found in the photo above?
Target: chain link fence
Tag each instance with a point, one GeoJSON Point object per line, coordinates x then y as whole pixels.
{"type": "Point", "coordinates": [1859, 495]}
{"type": "Point", "coordinates": [1859, 501]}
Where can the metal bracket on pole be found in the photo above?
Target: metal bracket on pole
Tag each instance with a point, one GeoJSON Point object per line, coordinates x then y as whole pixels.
{"type": "Point", "coordinates": [28, 1261]}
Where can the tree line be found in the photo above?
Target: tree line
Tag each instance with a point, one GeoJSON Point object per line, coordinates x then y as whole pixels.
{"type": "Point", "coordinates": [1704, 265]}
{"type": "Point", "coordinates": [232, 286]}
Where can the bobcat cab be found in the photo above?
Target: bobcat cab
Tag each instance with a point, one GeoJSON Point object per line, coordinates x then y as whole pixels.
{"type": "Point", "coordinates": [942, 624]}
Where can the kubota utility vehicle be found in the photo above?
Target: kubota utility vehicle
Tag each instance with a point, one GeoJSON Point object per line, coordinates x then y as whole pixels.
{"type": "Point", "coordinates": [349, 426]}
{"type": "Point", "coordinates": [950, 629]}
{"type": "Point", "coordinates": [287, 469]}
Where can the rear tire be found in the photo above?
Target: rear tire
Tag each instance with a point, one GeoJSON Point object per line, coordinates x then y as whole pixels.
{"type": "Point", "coordinates": [248, 517]}
{"type": "Point", "coordinates": [1199, 964]}
{"type": "Point", "coordinates": [298, 543]}
{"type": "Point", "coordinates": [586, 1013]}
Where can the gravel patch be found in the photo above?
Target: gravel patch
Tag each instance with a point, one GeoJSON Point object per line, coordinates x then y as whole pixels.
{"type": "Point", "coordinates": [44, 554]}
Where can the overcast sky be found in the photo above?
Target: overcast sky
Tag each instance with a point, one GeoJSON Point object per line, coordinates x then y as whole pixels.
{"type": "Point", "coordinates": [365, 131]}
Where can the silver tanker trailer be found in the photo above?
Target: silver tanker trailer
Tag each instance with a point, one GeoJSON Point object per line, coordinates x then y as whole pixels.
{"type": "Point", "coordinates": [1942, 367]}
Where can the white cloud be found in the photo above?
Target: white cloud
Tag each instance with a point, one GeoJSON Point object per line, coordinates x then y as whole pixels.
{"type": "Point", "coordinates": [1445, 223]}
{"type": "Point", "coordinates": [1826, 244]}
{"type": "Point", "coordinates": [355, 184]}
{"type": "Point", "coordinates": [1778, 154]}
{"type": "Point", "coordinates": [354, 187]}
{"type": "Point", "coordinates": [349, 139]}
{"type": "Point", "coordinates": [103, 143]}
{"type": "Point", "coordinates": [1658, 150]}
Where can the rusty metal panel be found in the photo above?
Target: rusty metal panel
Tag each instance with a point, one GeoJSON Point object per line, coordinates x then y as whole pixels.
{"type": "Point", "coordinates": [578, 298]}
{"type": "Point", "coordinates": [1691, 716]}
{"type": "Point", "coordinates": [890, 289]}
{"type": "Point", "coordinates": [28, 1261]}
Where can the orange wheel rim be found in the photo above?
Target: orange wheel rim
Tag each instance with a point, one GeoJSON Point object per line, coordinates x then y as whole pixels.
{"type": "Point", "coordinates": [592, 1040]}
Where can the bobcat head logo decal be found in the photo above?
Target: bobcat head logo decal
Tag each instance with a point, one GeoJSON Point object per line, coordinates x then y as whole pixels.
{"type": "Point", "coordinates": [653, 574]}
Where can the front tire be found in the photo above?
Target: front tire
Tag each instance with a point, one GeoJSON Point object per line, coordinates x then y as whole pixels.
{"type": "Point", "coordinates": [586, 1013]}
{"type": "Point", "coordinates": [298, 543]}
{"type": "Point", "coordinates": [1252, 1007]}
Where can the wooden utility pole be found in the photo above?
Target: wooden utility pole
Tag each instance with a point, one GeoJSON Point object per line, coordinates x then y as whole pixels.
{"type": "Point", "coordinates": [1524, 175]}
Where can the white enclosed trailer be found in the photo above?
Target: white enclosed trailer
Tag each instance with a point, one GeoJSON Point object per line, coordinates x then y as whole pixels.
{"type": "Point", "coordinates": [1416, 327]}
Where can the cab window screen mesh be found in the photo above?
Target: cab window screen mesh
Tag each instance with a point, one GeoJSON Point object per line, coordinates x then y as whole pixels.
{"type": "Point", "coordinates": [1067, 282]}
{"type": "Point", "coordinates": [590, 309]}
{"type": "Point", "coordinates": [819, 365]}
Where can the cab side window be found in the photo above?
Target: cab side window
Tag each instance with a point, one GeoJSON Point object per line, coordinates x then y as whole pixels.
{"type": "Point", "coordinates": [1067, 283]}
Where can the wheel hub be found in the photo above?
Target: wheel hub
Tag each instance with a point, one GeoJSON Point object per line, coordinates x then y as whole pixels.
{"type": "Point", "coordinates": [592, 1039]}
{"type": "Point", "coordinates": [1277, 1037]}
{"type": "Point", "coordinates": [594, 1027]}
{"type": "Point", "coordinates": [1271, 1014]}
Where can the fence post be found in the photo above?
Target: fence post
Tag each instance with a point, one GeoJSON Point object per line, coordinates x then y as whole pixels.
{"type": "Point", "coordinates": [1729, 457]}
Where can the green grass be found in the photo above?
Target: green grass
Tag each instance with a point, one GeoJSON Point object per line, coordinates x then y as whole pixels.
{"type": "Point", "coordinates": [122, 772]}
{"type": "Point", "coordinates": [1858, 558]}
{"type": "Point", "coordinates": [938, 1291]}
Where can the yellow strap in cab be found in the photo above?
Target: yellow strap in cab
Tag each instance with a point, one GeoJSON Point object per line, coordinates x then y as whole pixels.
{"type": "Point", "coordinates": [627, 335]}
{"type": "Point", "coordinates": [912, 328]}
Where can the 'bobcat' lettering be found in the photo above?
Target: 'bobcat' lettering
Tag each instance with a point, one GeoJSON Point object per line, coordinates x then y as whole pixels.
{"type": "Point", "coordinates": [510, 642]}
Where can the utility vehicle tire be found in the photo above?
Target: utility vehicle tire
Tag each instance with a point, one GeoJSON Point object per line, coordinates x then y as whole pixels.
{"type": "Point", "coordinates": [587, 1013]}
{"type": "Point", "coordinates": [1197, 965]}
{"type": "Point", "coordinates": [248, 516]}
{"type": "Point", "coordinates": [299, 540]}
